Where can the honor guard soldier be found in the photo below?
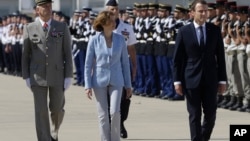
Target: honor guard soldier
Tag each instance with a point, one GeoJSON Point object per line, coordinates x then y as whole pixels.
{"type": "Point", "coordinates": [137, 29]}
{"type": "Point", "coordinates": [162, 36]}
{"type": "Point", "coordinates": [176, 24]}
{"type": "Point", "coordinates": [80, 45]}
{"type": "Point", "coordinates": [220, 12]}
{"type": "Point", "coordinates": [140, 28]}
{"type": "Point", "coordinates": [77, 37]}
{"type": "Point", "coordinates": [234, 82]}
{"type": "Point", "coordinates": [230, 10]}
{"type": "Point", "coordinates": [220, 16]}
{"type": "Point", "coordinates": [92, 17]}
{"type": "Point", "coordinates": [2, 63]}
{"type": "Point", "coordinates": [247, 34]}
{"type": "Point", "coordinates": [231, 45]}
{"type": "Point", "coordinates": [242, 59]}
{"type": "Point", "coordinates": [151, 78]}
{"type": "Point", "coordinates": [128, 14]}
{"type": "Point", "coordinates": [7, 45]}
{"type": "Point", "coordinates": [211, 12]}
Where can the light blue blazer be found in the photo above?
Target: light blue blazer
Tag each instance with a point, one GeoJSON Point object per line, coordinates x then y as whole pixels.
{"type": "Point", "coordinates": [103, 68]}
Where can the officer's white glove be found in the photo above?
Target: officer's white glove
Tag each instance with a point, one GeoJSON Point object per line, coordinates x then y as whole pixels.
{"type": "Point", "coordinates": [67, 83]}
{"type": "Point", "coordinates": [27, 82]}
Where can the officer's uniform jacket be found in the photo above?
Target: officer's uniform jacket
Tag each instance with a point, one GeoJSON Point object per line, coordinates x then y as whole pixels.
{"type": "Point", "coordinates": [46, 57]}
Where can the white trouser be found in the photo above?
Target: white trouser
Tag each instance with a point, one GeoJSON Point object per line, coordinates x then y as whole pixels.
{"type": "Point", "coordinates": [109, 126]}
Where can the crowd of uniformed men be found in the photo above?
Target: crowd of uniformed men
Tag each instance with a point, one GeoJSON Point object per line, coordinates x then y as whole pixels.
{"type": "Point", "coordinates": [155, 27]}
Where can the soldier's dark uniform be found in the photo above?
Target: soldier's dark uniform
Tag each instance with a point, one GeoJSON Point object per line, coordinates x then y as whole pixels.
{"type": "Point", "coordinates": [80, 39]}
{"type": "Point", "coordinates": [140, 28]}
{"type": "Point", "coordinates": [175, 25]}
{"type": "Point", "coordinates": [162, 37]}
{"type": "Point", "coordinates": [151, 88]}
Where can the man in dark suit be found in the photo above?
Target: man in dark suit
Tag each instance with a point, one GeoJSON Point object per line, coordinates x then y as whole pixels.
{"type": "Point", "coordinates": [199, 70]}
{"type": "Point", "coordinates": [47, 68]}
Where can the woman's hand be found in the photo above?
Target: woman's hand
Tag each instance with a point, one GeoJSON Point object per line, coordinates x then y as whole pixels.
{"type": "Point", "coordinates": [88, 93]}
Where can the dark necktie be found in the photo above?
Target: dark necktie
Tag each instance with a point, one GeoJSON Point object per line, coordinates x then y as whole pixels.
{"type": "Point", "coordinates": [45, 27]}
{"type": "Point", "coordinates": [202, 41]}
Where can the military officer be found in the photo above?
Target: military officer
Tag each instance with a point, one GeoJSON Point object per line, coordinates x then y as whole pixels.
{"type": "Point", "coordinates": [47, 69]}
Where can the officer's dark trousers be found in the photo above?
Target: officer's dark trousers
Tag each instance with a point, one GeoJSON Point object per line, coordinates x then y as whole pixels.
{"type": "Point", "coordinates": [125, 103]}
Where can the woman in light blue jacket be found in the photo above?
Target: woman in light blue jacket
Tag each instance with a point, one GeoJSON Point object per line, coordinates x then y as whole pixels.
{"type": "Point", "coordinates": [107, 71]}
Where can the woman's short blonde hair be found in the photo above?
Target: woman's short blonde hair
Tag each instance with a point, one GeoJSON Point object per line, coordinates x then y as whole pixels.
{"type": "Point", "coordinates": [102, 19]}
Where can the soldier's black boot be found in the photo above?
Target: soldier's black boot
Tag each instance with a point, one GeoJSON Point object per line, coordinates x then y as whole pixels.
{"type": "Point", "coordinates": [225, 100]}
{"type": "Point", "coordinates": [239, 104]}
{"type": "Point", "coordinates": [230, 103]}
{"type": "Point", "coordinates": [244, 108]}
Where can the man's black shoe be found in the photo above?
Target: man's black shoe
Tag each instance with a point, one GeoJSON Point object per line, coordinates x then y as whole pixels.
{"type": "Point", "coordinates": [52, 139]}
{"type": "Point", "coordinates": [124, 133]}
{"type": "Point", "coordinates": [176, 98]}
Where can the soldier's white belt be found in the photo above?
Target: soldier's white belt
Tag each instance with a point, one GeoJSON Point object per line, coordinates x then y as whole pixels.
{"type": "Point", "coordinates": [78, 40]}
{"type": "Point", "coordinates": [248, 50]}
{"type": "Point", "coordinates": [241, 51]}
{"type": "Point", "coordinates": [150, 39]}
{"type": "Point", "coordinates": [231, 52]}
{"type": "Point", "coordinates": [171, 42]}
{"type": "Point", "coordinates": [142, 41]}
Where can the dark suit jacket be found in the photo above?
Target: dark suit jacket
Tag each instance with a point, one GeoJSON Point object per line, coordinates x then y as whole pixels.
{"type": "Point", "coordinates": [193, 64]}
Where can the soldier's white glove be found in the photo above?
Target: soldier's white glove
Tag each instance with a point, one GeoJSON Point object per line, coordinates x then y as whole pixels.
{"type": "Point", "coordinates": [67, 83]}
{"type": "Point", "coordinates": [27, 82]}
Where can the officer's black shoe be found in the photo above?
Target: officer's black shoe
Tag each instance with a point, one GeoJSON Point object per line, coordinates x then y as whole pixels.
{"type": "Point", "coordinates": [52, 139]}
{"type": "Point", "coordinates": [176, 98]}
{"type": "Point", "coordinates": [124, 133]}
{"type": "Point", "coordinates": [225, 100]}
{"type": "Point", "coordinates": [245, 108]}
